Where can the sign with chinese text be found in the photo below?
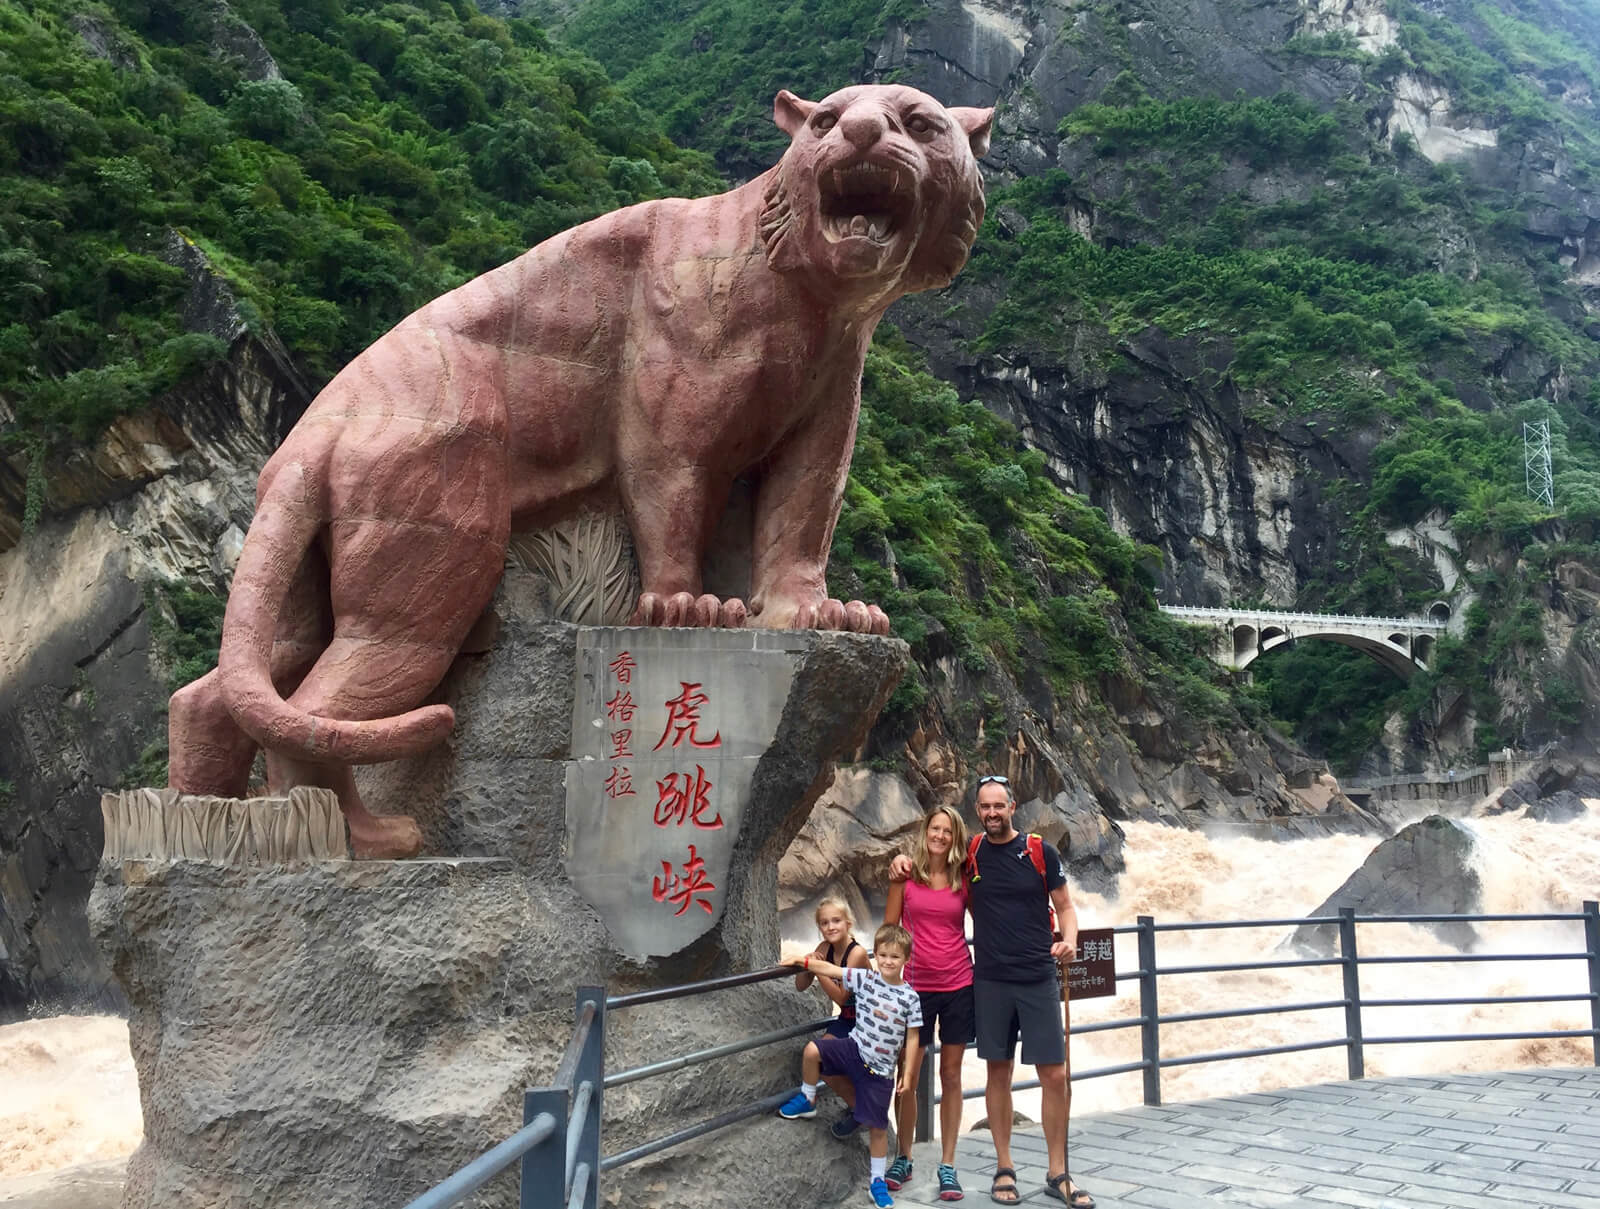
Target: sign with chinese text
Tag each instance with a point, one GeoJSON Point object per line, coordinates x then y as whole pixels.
{"type": "Point", "coordinates": [1093, 972]}
{"type": "Point", "coordinates": [668, 727]}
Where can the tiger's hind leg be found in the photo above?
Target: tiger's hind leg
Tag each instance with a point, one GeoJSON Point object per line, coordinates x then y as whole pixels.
{"type": "Point", "coordinates": [405, 596]}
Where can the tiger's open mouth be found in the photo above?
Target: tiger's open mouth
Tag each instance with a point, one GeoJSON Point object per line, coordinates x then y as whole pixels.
{"type": "Point", "coordinates": [865, 200]}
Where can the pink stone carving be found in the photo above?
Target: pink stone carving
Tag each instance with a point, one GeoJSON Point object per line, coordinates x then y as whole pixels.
{"type": "Point", "coordinates": [641, 362]}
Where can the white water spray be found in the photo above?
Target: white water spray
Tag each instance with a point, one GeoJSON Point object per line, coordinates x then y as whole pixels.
{"type": "Point", "coordinates": [70, 1095]}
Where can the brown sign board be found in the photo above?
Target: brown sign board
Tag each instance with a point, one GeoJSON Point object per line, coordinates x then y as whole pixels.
{"type": "Point", "coordinates": [1092, 972]}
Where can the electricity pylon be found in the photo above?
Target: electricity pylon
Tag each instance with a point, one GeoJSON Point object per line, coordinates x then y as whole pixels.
{"type": "Point", "coordinates": [1536, 462]}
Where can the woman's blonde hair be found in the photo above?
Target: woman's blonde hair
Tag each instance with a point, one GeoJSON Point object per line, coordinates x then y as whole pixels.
{"type": "Point", "coordinates": [839, 905]}
{"type": "Point", "coordinates": [922, 862]}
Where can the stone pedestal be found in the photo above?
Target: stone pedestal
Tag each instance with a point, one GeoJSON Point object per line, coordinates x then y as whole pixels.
{"type": "Point", "coordinates": [345, 1034]}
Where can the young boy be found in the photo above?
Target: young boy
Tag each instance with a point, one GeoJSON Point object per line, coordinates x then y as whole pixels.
{"type": "Point", "coordinates": [888, 1015]}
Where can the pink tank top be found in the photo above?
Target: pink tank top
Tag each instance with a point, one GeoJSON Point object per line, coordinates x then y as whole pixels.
{"type": "Point", "coordinates": [937, 921]}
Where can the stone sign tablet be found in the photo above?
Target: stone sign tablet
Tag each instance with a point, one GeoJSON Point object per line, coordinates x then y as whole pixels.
{"type": "Point", "coordinates": [668, 727]}
{"type": "Point", "coordinates": [1092, 974]}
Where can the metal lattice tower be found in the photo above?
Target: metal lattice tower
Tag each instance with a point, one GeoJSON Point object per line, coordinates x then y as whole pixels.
{"type": "Point", "coordinates": [1536, 462]}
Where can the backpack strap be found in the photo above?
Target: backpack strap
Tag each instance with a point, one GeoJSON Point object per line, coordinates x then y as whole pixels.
{"type": "Point", "coordinates": [1036, 851]}
{"type": "Point", "coordinates": [1036, 854]}
{"type": "Point", "coordinates": [970, 865]}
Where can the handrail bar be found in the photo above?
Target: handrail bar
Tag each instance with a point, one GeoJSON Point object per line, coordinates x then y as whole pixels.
{"type": "Point", "coordinates": [486, 1166]}
{"type": "Point", "coordinates": [575, 1124]}
{"type": "Point", "coordinates": [1214, 925]}
{"type": "Point", "coordinates": [657, 994]}
{"type": "Point", "coordinates": [567, 1068]}
{"type": "Point", "coordinates": [1227, 1055]}
{"type": "Point", "coordinates": [1232, 967]}
{"type": "Point", "coordinates": [1416, 959]}
{"type": "Point", "coordinates": [1543, 917]}
{"type": "Point", "coordinates": [580, 1187]}
{"type": "Point", "coordinates": [1272, 1010]}
{"type": "Point", "coordinates": [643, 1151]}
{"type": "Point", "coordinates": [1105, 1026]}
{"type": "Point", "coordinates": [1477, 1001]}
{"type": "Point", "coordinates": [1569, 1032]}
{"type": "Point", "coordinates": [668, 1065]}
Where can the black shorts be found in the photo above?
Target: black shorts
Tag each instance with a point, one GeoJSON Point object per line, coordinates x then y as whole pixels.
{"type": "Point", "coordinates": [953, 1011]}
{"type": "Point", "coordinates": [1032, 1009]}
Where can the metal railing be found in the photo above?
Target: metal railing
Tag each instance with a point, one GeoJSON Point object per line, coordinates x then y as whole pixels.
{"type": "Point", "coordinates": [1224, 614]}
{"type": "Point", "coordinates": [1350, 960]}
{"type": "Point", "coordinates": [558, 1145]}
{"type": "Point", "coordinates": [559, 1142]}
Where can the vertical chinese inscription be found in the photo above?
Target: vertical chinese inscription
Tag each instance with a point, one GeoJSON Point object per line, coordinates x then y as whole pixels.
{"type": "Point", "coordinates": [619, 711]}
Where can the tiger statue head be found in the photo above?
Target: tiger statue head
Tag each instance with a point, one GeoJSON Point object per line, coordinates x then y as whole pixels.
{"type": "Point", "coordinates": [879, 193]}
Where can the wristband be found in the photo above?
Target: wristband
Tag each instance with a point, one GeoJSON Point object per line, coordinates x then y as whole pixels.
{"type": "Point", "coordinates": [806, 964]}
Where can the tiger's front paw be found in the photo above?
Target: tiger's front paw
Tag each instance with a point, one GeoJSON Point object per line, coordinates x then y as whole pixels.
{"type": "Point", "coordinates": [686, 609]}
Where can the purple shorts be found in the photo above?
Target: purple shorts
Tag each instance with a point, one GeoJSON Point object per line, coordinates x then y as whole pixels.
{"type": "Point", "coordinates": [873, 1092]}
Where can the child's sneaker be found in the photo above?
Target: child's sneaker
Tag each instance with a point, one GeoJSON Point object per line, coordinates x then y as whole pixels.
{"type": "Point", "coordinates": [949, 1186]}
{"type": "Point", "coordinates": [879, 1192]}
{"type": "Point", "coordinates": [845, 1126]}
{"type": "Point", "coordinates": [899, 1173]}
{"type": "Point", "coordinates": [797, 1106]}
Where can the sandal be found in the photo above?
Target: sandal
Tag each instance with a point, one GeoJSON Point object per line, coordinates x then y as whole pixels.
{"type": "Point", "coordinates": [996, 1191]}
{"type": "Point", "coordinates": [1074, 1196]}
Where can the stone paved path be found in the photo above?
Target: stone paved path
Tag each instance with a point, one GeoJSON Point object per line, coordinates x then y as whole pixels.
{"type": "Point", "coordinates": [1525, 1138]}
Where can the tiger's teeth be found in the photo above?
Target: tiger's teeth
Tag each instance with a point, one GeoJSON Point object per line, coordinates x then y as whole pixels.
{"type": "Point", "coordinates": [876, 229]}
{"type": "Point", "coordinates": [858, 225]}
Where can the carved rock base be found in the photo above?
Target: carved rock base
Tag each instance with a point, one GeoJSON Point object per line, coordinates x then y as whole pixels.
{"type": "Point", "coordinates": [163, 824]}
{"type": "Point", "coordinates": [343, 1035]}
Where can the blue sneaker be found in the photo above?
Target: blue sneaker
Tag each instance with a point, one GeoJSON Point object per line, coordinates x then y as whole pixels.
{"type": "Point", "coordinates": [844, 1126]}
{"type": "Point", "coordinates": [797, 1106]}
{"type": "Point", "coordinates": [879, 1192]}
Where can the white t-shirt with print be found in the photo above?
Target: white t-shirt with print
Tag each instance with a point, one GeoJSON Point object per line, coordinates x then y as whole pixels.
{"type": "Point", "coordinates": [884, 1011]}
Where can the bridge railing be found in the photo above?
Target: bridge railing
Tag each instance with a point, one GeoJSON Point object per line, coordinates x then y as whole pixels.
{"type": "Point", "coordinates": [558, 1146]}
{"type": "Point", "coordinates": [1220, 614]}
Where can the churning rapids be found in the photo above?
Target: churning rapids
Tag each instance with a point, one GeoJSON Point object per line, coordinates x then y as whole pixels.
{"type": "Point", "coordinates": [70, 1095]}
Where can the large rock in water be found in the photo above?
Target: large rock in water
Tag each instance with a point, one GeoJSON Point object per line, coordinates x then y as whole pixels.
{"type": "Point", "coordinates": [1424, 869]}
{"type": "Point", "coordinates": [344, 1035]}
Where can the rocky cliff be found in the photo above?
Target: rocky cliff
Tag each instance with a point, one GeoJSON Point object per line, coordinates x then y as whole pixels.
{"type": "Point", "coordinates": [87, 644]}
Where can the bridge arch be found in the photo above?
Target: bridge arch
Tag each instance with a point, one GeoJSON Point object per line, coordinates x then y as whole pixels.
{"type": "Point", "coordinates": [1395, 653]}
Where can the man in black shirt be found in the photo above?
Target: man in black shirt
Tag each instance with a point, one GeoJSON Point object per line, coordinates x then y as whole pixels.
{"type": "Point", "coordinates": [1016, 982]}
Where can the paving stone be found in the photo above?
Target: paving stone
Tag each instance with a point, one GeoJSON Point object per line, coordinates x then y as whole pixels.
{"type": "Point", "coordinates": [1314, 1149]}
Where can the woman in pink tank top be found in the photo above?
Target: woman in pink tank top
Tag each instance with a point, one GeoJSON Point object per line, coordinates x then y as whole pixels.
{"type": "Point", "coordinates": [932, 906]}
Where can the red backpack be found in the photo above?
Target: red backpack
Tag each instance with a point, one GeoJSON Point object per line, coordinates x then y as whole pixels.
{"type": "Point", "coordinates": [1035, 854]}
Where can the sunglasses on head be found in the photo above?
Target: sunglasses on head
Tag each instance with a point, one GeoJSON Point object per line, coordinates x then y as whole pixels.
{"type": "Point", "coordinates": [993, 778]}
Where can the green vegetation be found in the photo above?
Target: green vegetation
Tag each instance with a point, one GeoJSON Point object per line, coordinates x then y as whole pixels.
{"type": "Point", "coordinates": [407, 148]}
{"type": "Point", "coordinates": [991, 560]}
{"type": "Point", "coordinates": [1335, 294]}
{"type": "Point", "coordinates": [711, 69]}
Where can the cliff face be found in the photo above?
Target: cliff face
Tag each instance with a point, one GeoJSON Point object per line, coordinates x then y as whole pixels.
{"type": "Point", "coordinates": [163, 498]}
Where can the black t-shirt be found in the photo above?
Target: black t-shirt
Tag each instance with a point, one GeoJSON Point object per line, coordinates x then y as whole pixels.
{"type": "Point", "coordinates": [1010, 905]}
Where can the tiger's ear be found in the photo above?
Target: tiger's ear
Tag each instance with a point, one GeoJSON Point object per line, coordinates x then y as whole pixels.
{"type": "Point", "coordinates": [977, 123]}
{"type": "Point", "coordinates": [790, 112]}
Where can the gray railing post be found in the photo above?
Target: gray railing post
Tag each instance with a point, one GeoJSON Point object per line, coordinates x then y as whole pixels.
{"type": "Point", "coordinates": [544, 1168]}
{"type": "Point", "coordinates": [591, 1070]}
{"type": "Point", "coordinates": [1150, 1030]}
{"type": "Point", "coordinates": [925, 1097]}
{"type": "Point", "coordinates": [1591, 942]}
{"type": "Point", "coordinates": [1355, 1053]}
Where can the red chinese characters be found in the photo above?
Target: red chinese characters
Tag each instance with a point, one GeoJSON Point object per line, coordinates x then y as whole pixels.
{"type": "Point", "coordinates": [683, 719]}
{"type": "Point", "coordinates": [680, 889]}
{"type": "Point", "coordinates": [621, 707]}
{"type": "Point", "coordinates": [685, 799]}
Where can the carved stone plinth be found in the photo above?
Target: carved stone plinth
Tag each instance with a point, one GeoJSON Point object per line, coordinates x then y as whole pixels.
{"type": "Point", "coordinates": [345, 1034]}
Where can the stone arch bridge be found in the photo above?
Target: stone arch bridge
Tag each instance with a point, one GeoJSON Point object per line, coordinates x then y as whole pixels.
{"type": "Point", "coordinates": [1401, 644]}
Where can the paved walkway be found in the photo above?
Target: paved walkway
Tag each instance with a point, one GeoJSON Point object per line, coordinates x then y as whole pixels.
{"type": "Point", "coordinates": [1526, 1138]}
